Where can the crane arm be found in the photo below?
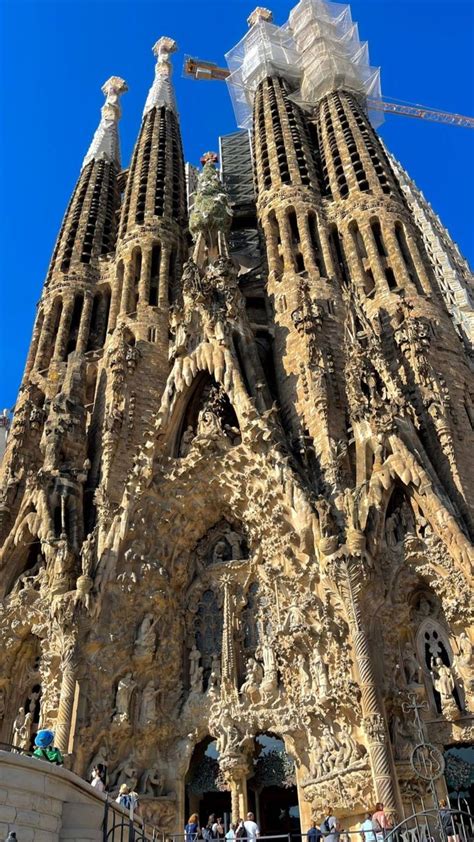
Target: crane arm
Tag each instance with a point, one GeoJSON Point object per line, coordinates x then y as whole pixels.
{"type": "Point", "coordinates": [197, 69]}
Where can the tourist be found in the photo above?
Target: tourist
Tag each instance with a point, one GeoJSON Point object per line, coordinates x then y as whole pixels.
{"type": "Point", "coordinates": [240, 832]}
{"type": "Point", "coordinates": [192, 828]}
{"type": "Point", "coordinates": [367, 829]}
{"type": "Point", "coordinates": [45, 749]}
{"type": "Point", "coordinates": [314, 834]}
{"type": "Point", "coordinates": [97, 780]}
{"type": "Point", "coordinates": [446, 816]}
{"type": "Point", "coordinates": [251, 828]}
{"type": "Point", "coordinates": [218, 829]}
{"type": "Point", "coordinates": [230, 835]}
{"type": "Point", "coordinates": [123, 797]}
{"type": "Point", "coordinates": [380, 821]}
{"type": "Point", "coordinates": [329, 827]}
{"type": "Point", "coordinates": [207, 830]}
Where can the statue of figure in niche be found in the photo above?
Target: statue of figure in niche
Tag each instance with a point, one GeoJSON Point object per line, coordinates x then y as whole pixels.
{"type": "Point", "coordinates": [146, 636]}
{"type": "Point", "coordinates": [304, 676]}
{"type": "Point", "coordinates": [123, 697]}
{"type": "Point", "coordinates": [270, 675]}
{"type": "Point", "coordinates": [320, 672]}
{"type": "Point", "coordinates": [295, 619]}
{"type": "Point", "coordinates": [18, 724]}
{"type": "Point", "coordinates": [411, 666]}
{"type": "Point", "coordinates": [465, 649]}
{"type": "Point", "coordinates": [195, 670]}
{"type": "Point", "coordinates": [148, 713]}
{"type": "Point", "coordinates": [251, 687]}
{"type": "Point", "coordinates": [219, 552]}
{"type": "Point", "coordinates": [186, 442]}
{"type": "Point", "coordinates": [443, 681]}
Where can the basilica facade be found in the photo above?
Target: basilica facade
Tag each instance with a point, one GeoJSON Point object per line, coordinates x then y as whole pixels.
{"type": "Point", "coordinates": [236, 499]}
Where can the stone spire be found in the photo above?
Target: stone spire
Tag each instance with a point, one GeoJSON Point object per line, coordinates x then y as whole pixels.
{"type": "Point", "coordinates": [161, 91]}
{"type": "Point", "coordinates": [105, 143]}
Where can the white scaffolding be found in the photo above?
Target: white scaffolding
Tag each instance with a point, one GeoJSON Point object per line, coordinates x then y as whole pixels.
{"type": "Point", "coordinates": [317, 51]}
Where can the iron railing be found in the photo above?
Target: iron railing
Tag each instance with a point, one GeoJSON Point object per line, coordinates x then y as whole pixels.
{"type": "Point", "coordinates": [120, 825]}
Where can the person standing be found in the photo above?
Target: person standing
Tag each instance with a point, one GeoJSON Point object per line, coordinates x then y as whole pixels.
{"type": "Point", "coordinates": [230, 835]}
{"type": "Point", "coordinates": [207, 831]}
{"type": "Point", "coordinates": [240, 830]}
{"type": "Point", "coordinates": [329, 826]}
{"type": "Point", "coordinates": [252, 831]}
{"type": "Point", "coordinates": [218, 829]}
{"type": "Point", "coordinates": [97, 781]}
{"type": "Point", "coordinates": [367, 829]}
{"type": "Point", "coordinates": [314, 834]}
{"type": "Point", "coordinates": [192, 828]}
{"type": "Point", "coordinates": [380, 821]}
{"type": "Point", "coordinates": [446, 816]}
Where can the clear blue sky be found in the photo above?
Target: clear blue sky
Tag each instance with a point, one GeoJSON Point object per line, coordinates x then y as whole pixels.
{"type": "Point", "coordinates": [55, 57]}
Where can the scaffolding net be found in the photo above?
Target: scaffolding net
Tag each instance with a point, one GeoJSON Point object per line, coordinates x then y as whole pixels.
{"type": "Point", "coordinates": [317, 51]}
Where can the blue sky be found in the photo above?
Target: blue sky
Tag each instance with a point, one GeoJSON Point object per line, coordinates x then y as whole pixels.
{"type": "Point", "coordinates": [55, 56]}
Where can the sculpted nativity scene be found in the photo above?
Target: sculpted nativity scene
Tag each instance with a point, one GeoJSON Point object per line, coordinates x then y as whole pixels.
{"type": "Point", "coordinates": [237, 492]}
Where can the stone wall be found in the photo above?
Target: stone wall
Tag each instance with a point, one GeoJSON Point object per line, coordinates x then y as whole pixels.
{"type": "Point", "coordinates": [45, 803]}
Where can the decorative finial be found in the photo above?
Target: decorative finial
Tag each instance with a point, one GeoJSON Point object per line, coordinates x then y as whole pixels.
{"type": "Point", "coordinates": [209, 158]}
{"type": "Point", "coordinates": [161, 92]}
{"type": "Point", "coordinates": [163, 49]}
{"type": "Point", "coordinates": [258, 14]}
{"type": "Point", "coordinates": [105, 143]}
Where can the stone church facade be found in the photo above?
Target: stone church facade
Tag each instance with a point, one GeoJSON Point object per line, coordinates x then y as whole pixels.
{"type": "Point", "coordinates": [237, 492]}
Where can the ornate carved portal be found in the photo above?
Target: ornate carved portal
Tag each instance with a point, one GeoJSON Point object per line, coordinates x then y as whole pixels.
{"type": "Point", "coordinates": [236, 498]}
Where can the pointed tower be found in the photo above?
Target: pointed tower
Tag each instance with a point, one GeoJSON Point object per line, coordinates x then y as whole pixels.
{"type": "Point", "coordinates": [151, 248]}
{"type": "Point", "coordinates": [151, 243]}
{"type": "Point", "coordinates": [301, 271]}
{"type": "Point", "coordinates": [72, 314]}
{"type": "Point", "coordinates": [73, 310]}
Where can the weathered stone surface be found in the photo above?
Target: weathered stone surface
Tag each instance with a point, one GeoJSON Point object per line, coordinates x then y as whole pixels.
{"type": "Point", "coordinates": [228, 514]}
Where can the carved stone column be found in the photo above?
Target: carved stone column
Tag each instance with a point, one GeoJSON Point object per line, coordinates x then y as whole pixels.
{"type": "Point", "coordinates": [348, 576]}
{"type": "Point", "coordinates": [66, 698]}
{"type": "Point", "coordinates": [235, 771]}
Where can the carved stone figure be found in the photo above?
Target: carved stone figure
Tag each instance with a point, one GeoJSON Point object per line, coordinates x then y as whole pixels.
{"type": "Point", "coordinates": [295, 619]}
{"type": "Point", "coordinates": [443, 680]}
{"type": "Point", "coordinates": [153, 782]}
{"type": "Point", "coordinates": [148, 713]}
{"type": "Point", "coordinates": [304, 676]}
{"type": "Point", "coordinates": [186, 441]}
{"type": "Point", "coordinates": [146, 636]}
{"type": "Point", "coordinates": [127, 773]}
{"type": "Point", "coordinates": [411, 665]}
{"type": "Point", "coordinates": [195, 670]}
{"type": "Point", "coordinates": [465, 649]}
{"type": "Point", "coordinates": [18, 725]}
{"type": "Point", "coordinates": [251, 687]}
{"type": "Point", "coordinates": [125, 688]}
{"type": "Point", "coordinates": [321, 676]}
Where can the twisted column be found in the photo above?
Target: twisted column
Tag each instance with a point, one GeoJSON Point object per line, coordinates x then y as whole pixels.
{"type": "Point", "coordinates": [66, 699]}
{"type": "Point", "coordinates": [374, 722]}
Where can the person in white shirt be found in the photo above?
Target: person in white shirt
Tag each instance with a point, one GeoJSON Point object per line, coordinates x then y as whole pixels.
{"type": "Point", "coordinates": [367, 829]}
{"type": "Point", "coordinates": [252, 831]}
{"type": "Point", "coordinates": [97, 781]}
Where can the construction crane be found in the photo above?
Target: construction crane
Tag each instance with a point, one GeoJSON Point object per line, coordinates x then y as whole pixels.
{"type": "Point", "coordinates": [195, 68]}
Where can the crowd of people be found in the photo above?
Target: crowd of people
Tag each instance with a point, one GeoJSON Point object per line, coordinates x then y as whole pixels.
{"type": "Point", "coordinates": [373, 828]}
{"type": "Point", "coordinates": [214, 829]}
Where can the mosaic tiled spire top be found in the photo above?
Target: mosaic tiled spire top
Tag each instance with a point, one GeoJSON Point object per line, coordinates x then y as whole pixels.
{"type": "Point", "coordinates": [162, 92]}
{"type": "Point", "coordinates": [105, 143]}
